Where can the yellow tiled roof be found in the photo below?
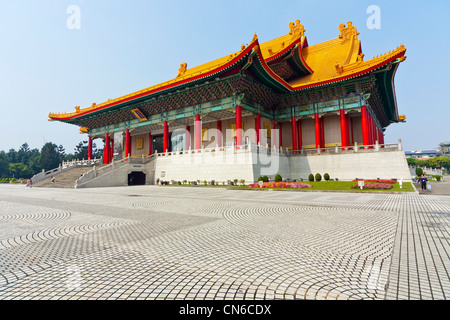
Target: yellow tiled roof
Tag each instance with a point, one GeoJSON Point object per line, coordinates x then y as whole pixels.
{"type": "Point", "coordinates": [337, 58]}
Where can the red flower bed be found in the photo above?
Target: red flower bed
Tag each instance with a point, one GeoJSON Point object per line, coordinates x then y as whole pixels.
{"type": "Point", "coordinates": [377, 180]}
{"type": "Point", "coordinates": [383, 186]}
{"type": "Point", "coordinates": [286, 185]}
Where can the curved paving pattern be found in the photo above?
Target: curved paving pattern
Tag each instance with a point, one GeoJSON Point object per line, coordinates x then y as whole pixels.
{"type": "Point", "coordinates": [38, 216]}
{"type": "Point", "coordinates": [210, 243]}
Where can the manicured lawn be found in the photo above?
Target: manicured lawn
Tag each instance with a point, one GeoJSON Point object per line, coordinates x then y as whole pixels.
{"type": "Point", "coordinates": [343, 186]}
{"type": "Point", "coordinates": [323, 186]}
{"type": "Point", "coordinates": [346, 185]}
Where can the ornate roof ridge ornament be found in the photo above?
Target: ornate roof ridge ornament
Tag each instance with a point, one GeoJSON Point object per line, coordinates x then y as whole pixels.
{"type": "Point", "coordinates": [296, 29]}
{"type": "Point", "coordinates": [182, 69]}
{"type": "Point", "coordinates": [348, 33]}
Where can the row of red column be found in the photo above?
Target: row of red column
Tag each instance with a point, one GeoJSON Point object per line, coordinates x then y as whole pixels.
{"type": "Point", "coordinates": [370, 133]}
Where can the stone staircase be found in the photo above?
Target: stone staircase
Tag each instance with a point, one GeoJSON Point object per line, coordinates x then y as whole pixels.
{"type": "Point", "coordinates": [63, 180]}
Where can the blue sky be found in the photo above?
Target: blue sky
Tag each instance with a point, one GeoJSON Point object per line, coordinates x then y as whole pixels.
{"type": "Point", "coordinates": [125, 46]}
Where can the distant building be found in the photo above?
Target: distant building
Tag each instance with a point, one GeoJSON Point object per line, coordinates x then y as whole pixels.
{"type": "Point", "coordinates": [423, 154]}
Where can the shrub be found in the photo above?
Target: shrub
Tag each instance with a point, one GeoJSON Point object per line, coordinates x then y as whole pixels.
{"type": "Point", "coordinates": [278, 178]}
{"type": "Point", "coordinates": [318, 177]}
{"type": "Point", "coordinates": [419, 171]}
{"type": "Point", "coordinates": [263, 179]}
{"type": "Point", "coordinates": [235, 181]}
{"type": "Point", "coordinates": [242, 181]}
{"type": "Point", "coordinates": [326, 176]}
{"type": "Point", "coordinates": [311, 177]}
{"type": "Point", "coordinates": [437, 177]}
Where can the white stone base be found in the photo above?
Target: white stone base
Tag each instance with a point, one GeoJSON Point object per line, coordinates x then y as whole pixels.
{"type": "Point", "coordinates": [228, 165]}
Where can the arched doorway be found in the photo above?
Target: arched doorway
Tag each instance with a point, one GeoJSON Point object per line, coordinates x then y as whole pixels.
{"type": "Point", "coordinates": [136, 178]}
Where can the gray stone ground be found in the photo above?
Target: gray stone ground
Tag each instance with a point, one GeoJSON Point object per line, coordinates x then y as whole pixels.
{"type": "Point", "coordinates": [149, 242]}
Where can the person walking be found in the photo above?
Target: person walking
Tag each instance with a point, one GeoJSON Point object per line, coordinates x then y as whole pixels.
{"type": "Point", "coordinates": [423, 182]}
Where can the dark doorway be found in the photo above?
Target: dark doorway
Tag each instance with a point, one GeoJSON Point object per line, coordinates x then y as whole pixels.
{"type": "Point", "coordinates": [158, 143]}
{"type": "Point", "coordinates": [136, 178]}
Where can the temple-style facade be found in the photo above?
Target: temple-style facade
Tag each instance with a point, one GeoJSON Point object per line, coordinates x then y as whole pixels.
{"type": "Point", "coordinates": [282, 93]}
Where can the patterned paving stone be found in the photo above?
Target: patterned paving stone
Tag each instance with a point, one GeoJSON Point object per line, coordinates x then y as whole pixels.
{"type": "Point", "coordinates": [208, 243]}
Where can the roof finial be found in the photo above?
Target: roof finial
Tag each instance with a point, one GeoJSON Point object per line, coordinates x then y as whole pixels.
{"type": "Point", "coordinates": [348, 33]}
{"type": "Point", "coordinates": [182, 69]}
{"type": "Point", "coordinates": [297, 29]}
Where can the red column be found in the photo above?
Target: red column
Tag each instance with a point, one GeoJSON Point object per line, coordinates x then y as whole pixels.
{"type": "Point", "coordinates": [347, 132]}
{"type": "Point", "coordinates": [198, 132]}
{"type": "Point", "coordinates": [322, 132]}
{"type": "Point", "coordinates": [351, 130]}
{"type": "Point", "coordinates": [300, 139]}
{"type": "Point", "coordinates": [280, 126]}
{"type": "Point", "coordinates": [188, 137]}
{"type": "Point", "coordinates": [238, 125]}
{"type": "Point", "coordinates": [317, 129]}
{"type": "Point", "coordinates": [166, 137]}
{"type": "Point", "coordinates": [90, 149]}
{"type": "Point", "coordinates": [219, 133]}
{"type": "Point", "coordinates": [150, 144]}
{"type": "Point", "coordinates": [294, 133]}
{"type": "Point", "coordinates": [375, 132]}
{"type": "Point", "coordinates": [274, 141]}
{"type": "Point", "coordinates": [106, 150]}
{"type": "Point", "coordinates": [370, 128]}
{"type": "Point", "coordinates": [258, 127]}
{"type": "Point", "coordinates": [111, 150]}
{"type": "Point", "coordinates": [127, 143]}
{"type": "Point", "coordinates": [344, 129]}
{"type": "Point", "coordinates": [364, 126]}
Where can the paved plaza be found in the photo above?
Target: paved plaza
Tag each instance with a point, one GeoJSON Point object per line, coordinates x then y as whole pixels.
{"type": "Point", "coordinates": [166, 242]}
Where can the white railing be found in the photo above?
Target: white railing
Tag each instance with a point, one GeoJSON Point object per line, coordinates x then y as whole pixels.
{"type": "Point", "coordinates": [80, 163]}
{"type": "Point", "coordinates": [234, 149]}
{"type": "Point", "coordinates": [351, 149]}
{"type": "Point", "coordinates": [63, 167]}
{"type": "Point", "coordinates": [285, 151]}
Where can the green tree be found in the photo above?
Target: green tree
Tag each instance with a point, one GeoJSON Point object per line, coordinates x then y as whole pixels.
{"type": "Point", "coordinates": [4, 167]}
{"type": "Point", "coordinates": [61, 152]}
{"type": "Point", "coordinates": [12, 156]}
{"type": "Point", "coordinates": [19, 170]}
{"type": "Point", "coordinates": [24, 153]}
{"type": "Point", "coordinates": [81, 150]}
{"type": "Point", "coordinates": [49, 158]}
{"type": "Point", "coordinates": [411, 162]}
